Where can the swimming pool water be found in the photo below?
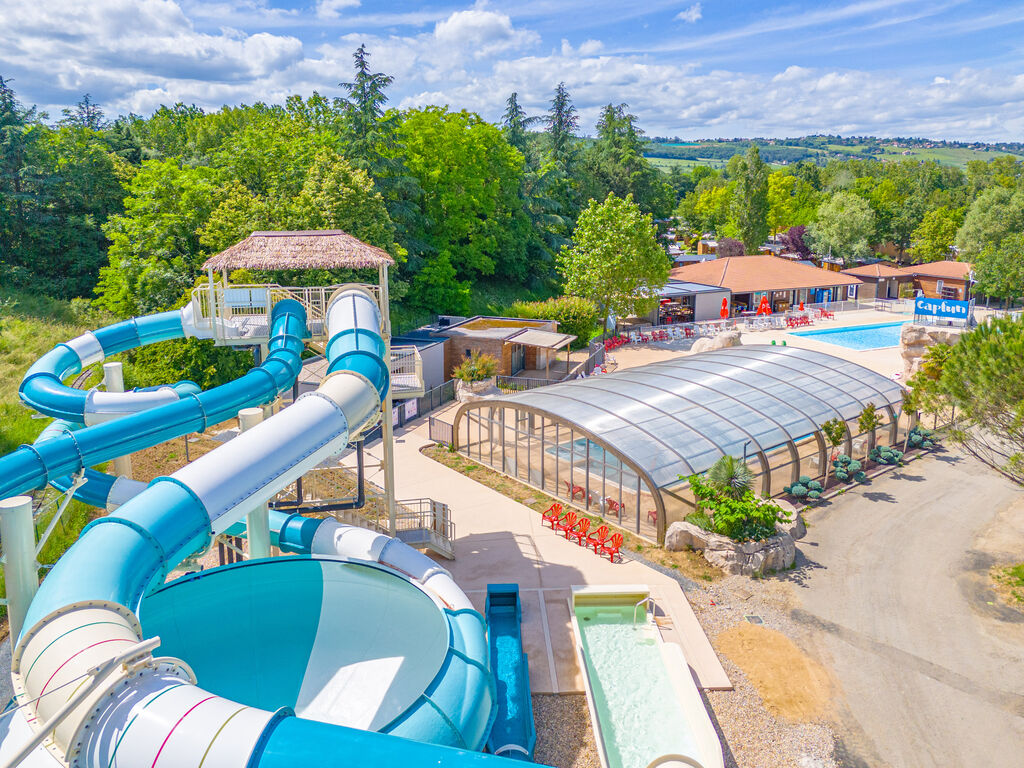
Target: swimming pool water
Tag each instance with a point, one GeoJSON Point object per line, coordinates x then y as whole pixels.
{"type": "Point", "coordinates": [600, 460]}
{"type": "Point", "coordinates": [637, 708]}
{"type": "Point", "coordinates": [859, 337]}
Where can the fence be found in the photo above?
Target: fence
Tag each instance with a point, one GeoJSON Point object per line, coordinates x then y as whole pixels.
{"type": "Point", "coordinates": [511, 384]}
{"type": "Point", "coordinates": [441, 431]}
{"type": "Point", "coordinates": [436, 397]}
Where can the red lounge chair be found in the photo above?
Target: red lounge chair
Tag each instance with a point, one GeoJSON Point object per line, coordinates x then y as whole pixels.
{"type": "Point", "coordinates": [552, 514]}
{"type": "Point", "coordinates": [579, 531]}
{"type": "Point", "coordinates": [598, 538]}
{"type": "Point", "coordinates": [612, 504]}
{"type": "Point", "coordinates": [612, 547]}
{"type": "Point", "coordinates": [567, 522]}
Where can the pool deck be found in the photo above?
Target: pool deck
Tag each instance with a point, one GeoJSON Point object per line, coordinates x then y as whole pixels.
{"type": "Point", "coordinates": [500, 540]}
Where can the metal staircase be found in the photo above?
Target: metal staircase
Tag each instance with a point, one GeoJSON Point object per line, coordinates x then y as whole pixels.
{"type": "Point", "coordinates": [239, 315]}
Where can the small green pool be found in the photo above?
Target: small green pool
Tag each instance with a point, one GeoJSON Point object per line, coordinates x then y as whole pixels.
{"type": "Point", "coordinates": [638, 710]}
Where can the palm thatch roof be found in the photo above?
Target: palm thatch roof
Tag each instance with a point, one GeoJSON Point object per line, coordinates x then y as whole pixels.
{"type": "Point", "coordinates": [323, 249]}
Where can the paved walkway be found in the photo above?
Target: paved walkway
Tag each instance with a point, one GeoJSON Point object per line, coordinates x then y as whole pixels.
{"type": "Point", "coordinates": [500, 540]}
{"type": "Point", "coordinates": [892, 584]}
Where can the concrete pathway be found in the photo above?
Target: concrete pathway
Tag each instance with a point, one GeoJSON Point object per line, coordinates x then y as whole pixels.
{"type": "Point", "coordinates": [500, 540]}
{"type": "Point", "coordinates": [892, 586]}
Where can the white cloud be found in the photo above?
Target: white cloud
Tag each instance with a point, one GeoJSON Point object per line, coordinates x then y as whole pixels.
{"type": "Point", "coordinates": [690, 15]}
{"type": "Point", "coordinates": [483, 32]}
{"type": "Point", "coordinates": [330, 9]}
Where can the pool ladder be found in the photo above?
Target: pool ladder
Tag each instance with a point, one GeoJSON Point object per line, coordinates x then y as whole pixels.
{"type": "Point", "coordinates": [646, 601]}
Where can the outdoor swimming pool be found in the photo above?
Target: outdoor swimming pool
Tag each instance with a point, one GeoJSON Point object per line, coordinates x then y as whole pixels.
{"type": "Point", "coordinates": [859, 337]}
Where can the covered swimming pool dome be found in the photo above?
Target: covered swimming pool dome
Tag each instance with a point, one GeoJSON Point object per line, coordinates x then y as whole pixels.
{"type": "Point", "coordinates": [622, 444]}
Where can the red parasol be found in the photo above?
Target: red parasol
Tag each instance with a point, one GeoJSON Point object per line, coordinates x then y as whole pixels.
{"type": "Point", "coordinates": [724, 312]}
{"type": "Point", "coordinates": [764, 308]}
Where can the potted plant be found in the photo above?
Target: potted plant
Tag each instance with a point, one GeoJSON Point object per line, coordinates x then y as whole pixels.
{"type": "Point", "coordinates": [475, 374]}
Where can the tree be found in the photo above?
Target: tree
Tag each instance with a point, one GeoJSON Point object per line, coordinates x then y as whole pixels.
{"type": "Point", "coordinates": [844, 227]}
{"type": "Point", "coordinates": [615, 260]}
{"type": "Point", "coordinates": [934, 237]}
{"type": "Point", "coordinates": [994, 214]}
{"type": "Point", "coordinates": [999, 269]}
{"type": "Point", "coordinates": [85, 114]}
{"type": "Point", "coordinates": [515, 122]}
{"type": "Point", "coordinates": [834, 431]}
{"type": "Point", "coordinates": [730, 246]}
{"type": "Point", "coordinates": [983, 380]}
{"type": "Point", "coordinates": [793, 241]}
{"type": "Point", "coordinates": [561, 123]}
{"type": "Point", "coordinates": [471, 209]}
{"type": "Point", "coordinates": [750, 199]}
{"type": "Point", "coordinates": [868, 421]}
{"type": "Point", "coordinates": [781, 201]}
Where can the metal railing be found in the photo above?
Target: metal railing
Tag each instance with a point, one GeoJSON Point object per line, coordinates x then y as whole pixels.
{"type": "Point", "coordinates": [426, 523]}
{"type": "Point", "coordinates": [246, 308]}
{"type": "Point", "coordinates": [440, 431]}
{"type": "Point", "coordinates": [435, 398]}
{"type": "Point", "coordinates": [406, 372]}
{"type": "Point", "coordinates": [512, 384]}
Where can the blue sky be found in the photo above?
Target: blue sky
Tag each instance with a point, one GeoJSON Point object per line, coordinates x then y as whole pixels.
{"type": "Point", "coordinates": [944, 69]}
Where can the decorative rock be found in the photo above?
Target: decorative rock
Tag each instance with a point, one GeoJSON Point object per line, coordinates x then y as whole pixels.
{"type": "Point", "coordinates": [915, 340]}
{"type": "Point", "coordinates": [745, 558]}
{"type": "Point", "coordinates": [795, 527]}
{"type": "Point", "coordinates": [467, 392]}
{"type": "Point", "coordinates": [721, 341]}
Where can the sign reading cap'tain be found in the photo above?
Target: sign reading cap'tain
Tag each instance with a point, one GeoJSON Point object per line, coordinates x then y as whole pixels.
{"type": "Point", "coordinates": [942, 308]}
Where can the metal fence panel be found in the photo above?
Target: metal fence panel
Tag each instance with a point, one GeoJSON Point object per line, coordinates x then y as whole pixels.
{"type": "Point", "coordinates": [441, 431]}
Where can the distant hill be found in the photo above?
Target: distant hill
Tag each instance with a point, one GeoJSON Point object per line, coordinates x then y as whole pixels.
{"type": "Point", "coordinates": [666, 152]}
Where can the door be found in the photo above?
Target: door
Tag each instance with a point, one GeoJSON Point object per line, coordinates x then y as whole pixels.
{"type": "Point", "coordinates": [518, 361]}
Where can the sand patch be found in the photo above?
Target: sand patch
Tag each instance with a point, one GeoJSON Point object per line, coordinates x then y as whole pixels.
{"type": "Point", "coordinates": [791, 684]}
{"type": "Point", "coordinates": [565, 738]}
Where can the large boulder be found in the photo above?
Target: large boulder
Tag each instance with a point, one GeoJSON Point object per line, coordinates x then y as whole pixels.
{"type": "Point", "coordinates": [915, 340]}
{"type": "Point", "coordinates": [467, 392]}
{"type": "Point", "coordinates": [725, 339]}
{"type": "Point", "coordinates": [745, 558]}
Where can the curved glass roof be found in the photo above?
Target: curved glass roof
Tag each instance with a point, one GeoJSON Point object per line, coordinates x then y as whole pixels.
{"type": "Point", "coordinates": [679, 416]}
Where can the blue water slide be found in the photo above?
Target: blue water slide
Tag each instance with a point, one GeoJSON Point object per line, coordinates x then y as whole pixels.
{"type": "Point", "coordinates": [440, 707]}
{"type": "Point", "coordinates": [514, 733]}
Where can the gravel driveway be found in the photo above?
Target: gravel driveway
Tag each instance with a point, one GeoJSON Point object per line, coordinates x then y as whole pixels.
{"type": "Point", "coordinates": [891, 586]}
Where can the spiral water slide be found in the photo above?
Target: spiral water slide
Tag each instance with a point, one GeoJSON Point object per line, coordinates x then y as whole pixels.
{"type": "Point", "coordinates": [358, 650]}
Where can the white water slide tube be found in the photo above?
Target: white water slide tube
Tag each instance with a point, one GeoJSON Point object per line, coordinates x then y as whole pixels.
{"type": "Point", "coordinates": [349, 593]}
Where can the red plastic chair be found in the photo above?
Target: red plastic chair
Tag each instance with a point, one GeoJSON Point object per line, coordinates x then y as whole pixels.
{"type": "Point", "coordinates": [612, 547]}
{"type": "Point", "coordinates": [573, 490]}
{"type": "Point", "coordinates": [598, 538]}
{"type": "Point", "coordinates": [567, 522]}
{"type": "Point", "coordinates": [552, 514]}
{"type": "Point", "coordinates": [612, 504]}
{"type": "Point", "coordinates": [652, 515]}
{"type": "Point", "coordinates": [579, 531]}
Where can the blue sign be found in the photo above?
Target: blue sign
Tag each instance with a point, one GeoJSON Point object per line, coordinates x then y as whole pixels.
{"type": "Point", "coordinates": [944, 308]}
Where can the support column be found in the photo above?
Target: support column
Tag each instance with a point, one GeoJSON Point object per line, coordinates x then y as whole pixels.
{"type": "Point", "coordinates": [257, 522]}
{"type": "Point", "coordinates": [387, 423]}
{"type": "Point", "coordinates": [113, 380]}
{"type": "Point", "coordinates": [17, 532]}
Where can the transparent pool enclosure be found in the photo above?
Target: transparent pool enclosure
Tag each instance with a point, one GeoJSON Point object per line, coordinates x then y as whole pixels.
{"type": "Point", "coordinates": [621, 445]}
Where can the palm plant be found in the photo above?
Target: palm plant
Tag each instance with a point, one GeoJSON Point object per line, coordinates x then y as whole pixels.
{"type": "Point", "coordinates": [731, 476]}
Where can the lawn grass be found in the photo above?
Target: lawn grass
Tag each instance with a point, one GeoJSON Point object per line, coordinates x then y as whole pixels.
{"type": "Point", "coordinates": [692, 565]}
{"type": "Point", "coordinates": [1009, 584]}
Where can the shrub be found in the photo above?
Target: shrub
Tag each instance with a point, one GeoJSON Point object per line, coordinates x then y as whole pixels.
{"type": "Point", "coordinates": [842, 475]}
{"type": "Point", "coordinates": [799, 490]}
{"type": "Point", "coordinates": [476, 367]}
{"type": "Point", "coordinates": [701, 520]}
{"type": "Point", "coordinates": [813, 485]}
{"type": "Point", "coordinates": [748, 518]}
{"type": "Point", "coordinates": [854, 466]}
{"type": "Point", "coordinates": [859, 477]}
{"type": "Point", "coordinates": [814, 494]}
{"type": "Point", "coordinates": [885, 454]}
{"type": "Point", "coordinates": [805, 480]}
{"type": "Point", "coordinates": [577, 316]}
{"type": "Point", "coordinates": [786, 488]}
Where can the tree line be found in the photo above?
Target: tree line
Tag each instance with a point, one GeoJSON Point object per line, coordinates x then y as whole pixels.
{"type": "Point", "coordinates": [126, 210]}
{"type": "Point", "coordinates": [905, 211]}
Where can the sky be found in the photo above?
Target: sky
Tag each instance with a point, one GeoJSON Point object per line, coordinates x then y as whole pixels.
{"type": "Point", "coordinates": [951, 69]}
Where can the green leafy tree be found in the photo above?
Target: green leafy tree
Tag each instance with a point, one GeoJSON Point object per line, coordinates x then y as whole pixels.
{"type": "Point", "coordinates": [934, 238]}
{"type": "Point", "coordinates": [834, 431]}
{"type": "Point", "coordinates": [868, 421]}
{"type": "Point", "coordinates": [739, 515]}
{"type": "Point", "coordinates": [85, 114]}
{"type": "Point", "coordinates": [615, 260]}
{"type": "Point", "coordinates": [471, 179]}
{"type": "Point", "coordinates": [750, 199]}
{"type": "Point", "coordinates": [577, 316]}
{"type": "Point", "coordinates": [983, 380]}
{"type": "Point", "coordinates": [781, 201]}
{"type": "Point", "coordinates": [999, 269]}
{"type": "Point", "coordinates": [844, 227]}
{"type": "Point", "coordinates": [994, 214]}
{"type": "Point", "coordinates": [437, 288]}
{"type": "Point", "coordinates": [516, 123]}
